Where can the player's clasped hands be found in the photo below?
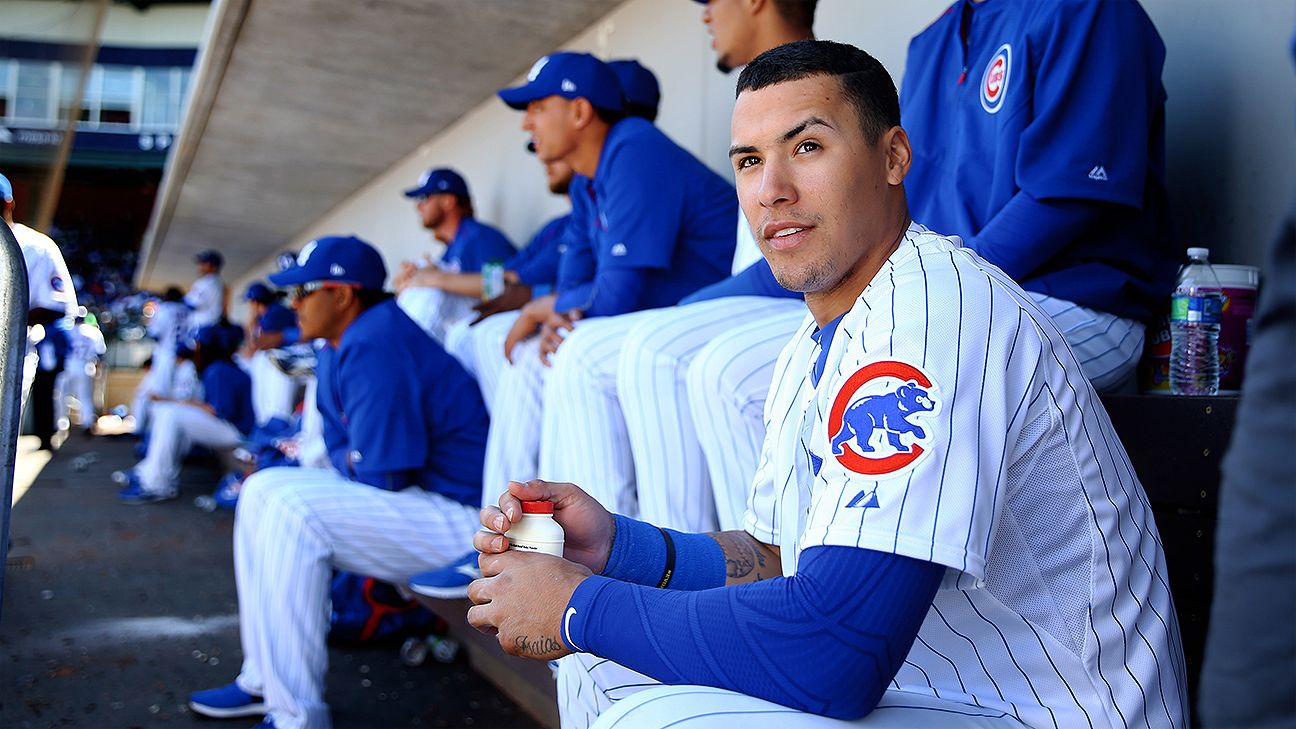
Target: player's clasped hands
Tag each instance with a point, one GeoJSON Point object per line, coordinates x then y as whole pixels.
{"type": "Point", "coordinates": [521, 596]}
{"type": "Point", "coordinates": [554, 331]}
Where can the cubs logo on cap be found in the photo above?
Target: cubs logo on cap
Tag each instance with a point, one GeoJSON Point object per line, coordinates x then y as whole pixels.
{"type": "Point", "coordinates": [876, 425]}
{"type": "Point", "coordinates": [344, 259]}
{"type": "Point", "coordinates": [439, 180]}
{"type": "Point", "coordinates": [571, 76]}
{"type": "Point", "coordinates": [994, 82]}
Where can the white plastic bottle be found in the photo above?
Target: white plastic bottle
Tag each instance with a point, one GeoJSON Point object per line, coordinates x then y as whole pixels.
{"type": "Point", "coordinates": [536, 531]}
{"type": "Point", "coordinates": [1194, 327]}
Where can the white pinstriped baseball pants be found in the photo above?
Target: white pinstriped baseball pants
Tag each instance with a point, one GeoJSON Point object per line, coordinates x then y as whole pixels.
{"type": "Point", "coordinates": [480, 349]}
{"type": "Point", "coordinates": [595, 692]}
{"type": "Point", "coordinates": [434, 310]}
{"type": "Point", "coordinates": [678, 486]}
{"type": "Point", "coordinates": [176, 428]}
{"type": "Point", "coordinates": [1107, 346]}
{"type": "Point", "coordinates": [274, 394]}
{"type": "Point", "coordinates": [291, 527]}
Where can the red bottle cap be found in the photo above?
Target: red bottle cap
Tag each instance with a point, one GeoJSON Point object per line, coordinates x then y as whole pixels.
{"type": "Point", "coordinates": [537, 507]}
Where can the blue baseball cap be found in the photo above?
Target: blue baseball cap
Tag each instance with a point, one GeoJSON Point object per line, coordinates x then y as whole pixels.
{"type": "Point", "coordinates": [212, 256]}
{"type": "Point", "coordinates": [571, 76]}
{"type": "Point", "coordinates": [437, 181]}
{"type": "Point", "coordinates": [260, 293]}
{"type": "Point", "coordinates": [638, 84]}
{"type": "Point", "coordinates": [6, 189]}
{"type": "Point", "coordinates": [345, 259]}
{"type": "Point", "coordinates": [221, 338]}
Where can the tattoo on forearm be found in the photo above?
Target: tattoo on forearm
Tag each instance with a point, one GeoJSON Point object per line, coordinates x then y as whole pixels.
{"type": "Point", "coordinates": [542, 646]}
{"type": "Point", "coordinates": [742, 557]}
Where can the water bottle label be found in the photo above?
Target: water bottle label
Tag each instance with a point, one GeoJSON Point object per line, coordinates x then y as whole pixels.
{"type": "Point", "coordinates": [1195, 309]}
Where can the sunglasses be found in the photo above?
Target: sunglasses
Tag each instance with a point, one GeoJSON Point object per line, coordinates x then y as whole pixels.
{"type": "Point", "coordinates": [301, 291]}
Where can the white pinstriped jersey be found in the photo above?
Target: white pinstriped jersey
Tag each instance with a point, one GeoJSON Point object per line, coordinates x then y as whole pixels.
{"type": "Point", "coordinates": [952, 424]}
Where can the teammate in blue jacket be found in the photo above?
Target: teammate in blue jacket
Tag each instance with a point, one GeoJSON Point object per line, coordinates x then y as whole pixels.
{"type": "Point", "coordinates": [944, 529]}
{"type": "Point", "coordinates": [445, 208]}
{"type": "Point", "coordinates": [1038, 130]}
{"type": "Point", "coordinates": [219, 420]}
{"type": "Point", "coordinates": [657, 220]}
{"type": "Point", "coordinates": [404, 427]}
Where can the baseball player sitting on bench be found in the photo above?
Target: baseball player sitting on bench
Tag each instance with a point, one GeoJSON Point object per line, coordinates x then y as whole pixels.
{"type": "Point", "coordinates": [220, 420]}
{"type": "Point", "coordinates": [405, 430]}
{"type": "Point", "coordinates": [1091, 251]}
{"type": "Point", "coordinates": [479, 343]}
{"type": "Point", "coordinates": [944, 529]}
{"type": "Point", "coordinates": [444, 206]}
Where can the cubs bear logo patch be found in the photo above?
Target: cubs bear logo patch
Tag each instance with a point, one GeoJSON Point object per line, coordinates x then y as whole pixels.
{"type": "Point", "coordinates": [876, 424]}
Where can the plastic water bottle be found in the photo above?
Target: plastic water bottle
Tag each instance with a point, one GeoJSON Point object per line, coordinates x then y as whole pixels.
{"type": "Point", "coordinates": [1194, 327]}
{"type": "Point", "coordinates": [492, 280]}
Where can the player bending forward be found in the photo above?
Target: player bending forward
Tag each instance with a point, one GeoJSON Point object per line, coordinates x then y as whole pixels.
{"type": "Point", "coordinates": [944, 529]}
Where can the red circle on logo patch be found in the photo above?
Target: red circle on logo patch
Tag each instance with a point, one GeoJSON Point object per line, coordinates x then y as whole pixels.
{"type": "Point", "coordinates": [851, 459]}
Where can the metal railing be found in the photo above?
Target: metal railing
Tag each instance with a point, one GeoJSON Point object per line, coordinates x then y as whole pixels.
{"type": "Point", "coordinates": [13, 348]}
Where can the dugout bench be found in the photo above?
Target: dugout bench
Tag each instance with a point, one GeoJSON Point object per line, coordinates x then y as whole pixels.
{"type": "Point", "coordinates": [1176, 445]}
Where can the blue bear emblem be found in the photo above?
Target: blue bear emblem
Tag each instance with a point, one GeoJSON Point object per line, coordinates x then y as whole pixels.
{"type": "Point", "coordinates": [889, 413]}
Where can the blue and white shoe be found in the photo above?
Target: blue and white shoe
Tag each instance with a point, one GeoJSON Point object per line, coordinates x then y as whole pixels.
{"type": "Point", "coordinates": [134, 494]}
{"type": "Point", "coordinates": [227, 493]}
{"type": "Point", "coordinates": [228, 702]}
{"type": "Point", "coordinates": [449, 582]}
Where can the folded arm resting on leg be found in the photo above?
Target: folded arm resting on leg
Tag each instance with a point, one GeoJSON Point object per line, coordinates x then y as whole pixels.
{"type": "Point", "coordinates": [826, 641]}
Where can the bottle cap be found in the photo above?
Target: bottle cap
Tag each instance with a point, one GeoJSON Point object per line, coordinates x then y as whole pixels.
{"type": "Point", "coordinates": [1198, 252]}
{"type": "Point", "coordinates": [537, 507]}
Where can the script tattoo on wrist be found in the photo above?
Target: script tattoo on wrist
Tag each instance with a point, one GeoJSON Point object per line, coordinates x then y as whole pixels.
{"type": "Point", "coordinates": [542, 646]}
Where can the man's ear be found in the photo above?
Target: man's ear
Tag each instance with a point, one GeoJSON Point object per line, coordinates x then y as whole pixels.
{"type": "Point", "coordinates": [582, 112]}
{"type": "Point", "coordinates": [754, 6]}
{"type": "Point", "coordinates": [346, 297]}
{"type": "Point", "coordinates": [899, 155]}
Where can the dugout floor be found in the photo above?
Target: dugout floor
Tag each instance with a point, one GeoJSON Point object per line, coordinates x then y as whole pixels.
{"type": "Point", "coordinates": [112, 614]}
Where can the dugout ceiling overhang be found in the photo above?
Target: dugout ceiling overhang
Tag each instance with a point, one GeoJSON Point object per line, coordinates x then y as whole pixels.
{"type": "Point", "coordinates": [296, 104]}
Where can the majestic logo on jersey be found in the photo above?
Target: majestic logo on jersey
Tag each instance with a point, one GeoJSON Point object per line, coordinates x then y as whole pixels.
{"type": "Point", "coordinates": [994, 82]}
{"type": "Point", "coordinates": [865, 499]}
{"type": "Point", "coordinates": [1098, 173]}
{"type": "Point", "coordinates": [620, 249]}
{"type": "Point", "coordinates": [874, 422]}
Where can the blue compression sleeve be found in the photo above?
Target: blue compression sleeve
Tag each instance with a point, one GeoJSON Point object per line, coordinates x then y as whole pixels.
{"type": "Point", "coordinates": [641, 555]}
{"type": "Point", "coordinates": [755, 280]}
{"type": "Point", "coordinates": [1027, 232]}
{"type": "Point", "coordinates": [827, 640]}
{"type": "Point", "coordinates": [613, 291]}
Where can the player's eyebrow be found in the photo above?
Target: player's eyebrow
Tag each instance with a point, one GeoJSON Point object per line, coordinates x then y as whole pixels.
{"type": "Point", "coordinates": [792, 133]}
{"type": "Point", "coordinates": [787, 136]}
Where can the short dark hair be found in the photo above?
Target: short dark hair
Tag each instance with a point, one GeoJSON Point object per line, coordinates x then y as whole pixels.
{"type": "Point", "coordinates": [609, 116]}
{"type": "Point", "coordinates": [464, 203]}
{"type": "Point", "coordinates": [370, 298]}
{"type": "Point", "coordinates": [797, 12]}
{"type": "Point", "coordinates": [642, 111]}
{"type": "Point", "coordinates": [864, 82]}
